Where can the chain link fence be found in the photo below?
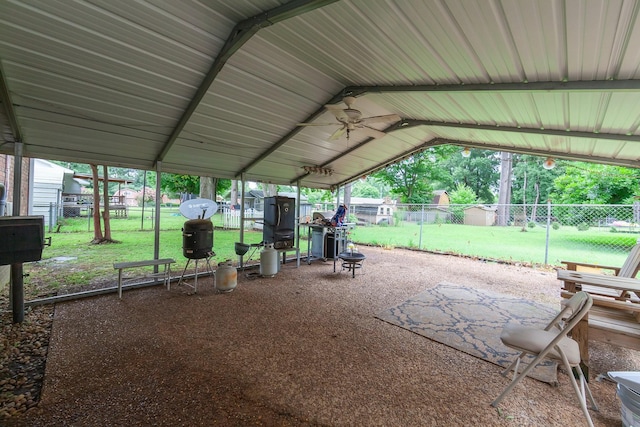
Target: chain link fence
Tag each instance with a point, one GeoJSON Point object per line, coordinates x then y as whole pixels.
{"type": "Point", "coordinates": [532, 234]}
{"type": "Point", "coordinates": [535, 233]}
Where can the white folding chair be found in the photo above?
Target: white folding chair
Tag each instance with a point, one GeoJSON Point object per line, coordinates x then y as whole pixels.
{"type": "Point", "coordinates": [552, 342]}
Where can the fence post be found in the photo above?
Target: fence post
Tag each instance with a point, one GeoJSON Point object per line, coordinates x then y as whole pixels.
{"type": "Point", "coordinates": [421, 223]}
{"type": "Point", "coordinates": [546, 243]}
{"type": "Point", "coordinates": [51, 216]}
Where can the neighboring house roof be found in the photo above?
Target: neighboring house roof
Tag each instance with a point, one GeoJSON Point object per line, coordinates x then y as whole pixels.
{"type": "Point", "coordinates": [438, 197]}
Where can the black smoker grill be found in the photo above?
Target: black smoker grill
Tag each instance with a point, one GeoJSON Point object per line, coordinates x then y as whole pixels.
{"type": "Point", "coordinates": [279, 221]}
{"type": "Point", "coordinates": [197, 243]}
{"type": "Point", "coordinates": [197, 239]}
{"type": "Point", "coordinates": [21, 238]}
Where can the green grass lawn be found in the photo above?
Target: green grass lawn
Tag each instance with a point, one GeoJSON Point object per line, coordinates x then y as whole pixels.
{"type": "Point", "coordinates": [504, 243]}
{"type": "Point", "coordinates": [86, 263]}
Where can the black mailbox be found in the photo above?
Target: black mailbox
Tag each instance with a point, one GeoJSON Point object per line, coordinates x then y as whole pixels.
{"type": "Point", "coordinates": [21, 239]}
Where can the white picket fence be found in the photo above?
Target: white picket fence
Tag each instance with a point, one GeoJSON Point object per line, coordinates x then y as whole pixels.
{"type": "Point", "coordinates": [231, 219]}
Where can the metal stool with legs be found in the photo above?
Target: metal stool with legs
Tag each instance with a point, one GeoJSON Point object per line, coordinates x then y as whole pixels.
{"type": "Point", "coordinates": [351, 261]}
{"type": "Point", "coordinates": [208, 257]}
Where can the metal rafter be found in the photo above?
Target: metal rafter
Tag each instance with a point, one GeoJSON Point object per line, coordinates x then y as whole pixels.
{"type": "Point", "coordinates": [549, 132]}
{"type": "Point", "coordinates": [571, 86]}
{"type": "Point", "coordinates": [240, 34]}
{"type": "Point", "coordinates": [5, 99]}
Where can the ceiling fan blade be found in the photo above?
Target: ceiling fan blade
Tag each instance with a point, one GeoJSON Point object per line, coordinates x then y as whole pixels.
{"type": "Point", "coordinates": [374, 133]}
{"type": "Point", "coordinates": [340, 114]}
{"type": "Point", "coordinates": [381, 119]}
{"type": "Point", "coordinates": [338, 133]}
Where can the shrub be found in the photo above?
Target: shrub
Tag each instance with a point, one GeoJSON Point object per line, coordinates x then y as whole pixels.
{"type": "Point", "coordinates": [555, 225]}
{"type": "Point", "coordinates": [531, 224]}
{"type": "Point", "coordinates": [583, 226]}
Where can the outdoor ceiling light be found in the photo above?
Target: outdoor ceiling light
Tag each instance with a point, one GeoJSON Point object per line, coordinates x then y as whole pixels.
{"type": "Point", "coordinates": [466, 152]}
{"type": "Point", "coordinates": [549, 163]}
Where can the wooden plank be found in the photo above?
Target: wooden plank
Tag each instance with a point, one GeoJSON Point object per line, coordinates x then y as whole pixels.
{"type": "Point", "coordinates": [612, 282]}
{"type": "Point", "coordinates": [614, 303]}
{"type": "Point", "coordinates": [614, 338]}
{"type": "Point", "coordinates": [580, 266]}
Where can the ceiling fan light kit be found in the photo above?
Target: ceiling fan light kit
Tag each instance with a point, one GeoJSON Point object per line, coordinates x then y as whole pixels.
{"type": "Point", "coordinates": [318, 170]}
{"type": "Point", "coordinates": [350, 120]}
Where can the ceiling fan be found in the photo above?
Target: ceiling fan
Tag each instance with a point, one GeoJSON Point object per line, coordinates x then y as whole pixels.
{"type": "Point", "coordinates": [349, 119]}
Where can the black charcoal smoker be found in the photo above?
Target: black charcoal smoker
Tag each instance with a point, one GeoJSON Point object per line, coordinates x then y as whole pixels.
{"type": "Point", "coordinates": [22, 240]}
{"type": "Point", "coordinates": [197, 244]}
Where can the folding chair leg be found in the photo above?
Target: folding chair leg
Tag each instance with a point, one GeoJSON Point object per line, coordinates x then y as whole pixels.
{"type": "Point", "coordinates": [582, 391]}
{"type": "Point", "coordinates": [514, 365]}
{"type": "Point", "coordinates": [517, 377]}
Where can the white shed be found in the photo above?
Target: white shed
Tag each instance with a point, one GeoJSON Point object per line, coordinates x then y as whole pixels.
{"type": "Point", "coordinates": [46, 186]}
{"type": "Point", "coordinates": [480, 215]}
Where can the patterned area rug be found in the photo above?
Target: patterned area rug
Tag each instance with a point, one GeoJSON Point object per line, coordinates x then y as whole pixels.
{"type": "Point", "coordinates": [471, 320]}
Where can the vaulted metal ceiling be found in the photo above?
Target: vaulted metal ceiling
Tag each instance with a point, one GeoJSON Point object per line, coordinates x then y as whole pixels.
{"type": "Point", "coordinates": [218, 87]}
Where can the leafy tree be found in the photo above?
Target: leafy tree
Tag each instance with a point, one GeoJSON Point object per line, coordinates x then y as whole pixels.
{"type": "Point", "coordinates": [409, 179]}
{"type": "Point", "coordinates": [176, 184]}
{"type": "Point", "coordinates": [315, 196]}
{"type": "Point", "coordinates": [588, 183]}
{"type": "Point", "coordinates": [479, 171]}
{"type": "Point", "coordinates": [371, 187]}
{"type": "Point", "coordinates": [463, 195]}
{"type": "Point", "coordinates": [539, 181]}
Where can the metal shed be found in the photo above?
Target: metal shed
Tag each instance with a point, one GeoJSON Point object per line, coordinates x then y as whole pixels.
{"type": "Point", "coordinates": [479, 215]}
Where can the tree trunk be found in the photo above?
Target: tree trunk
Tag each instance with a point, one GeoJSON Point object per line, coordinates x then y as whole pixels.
{"type": "Point", "coordinates": [270, 190]}
{"type": "Point", "coordinates": [105, 212]}
{"type": "Point", "coordinates": [97, 228]}
{"type": "Point", "coordinates": [347, 199]}
{"type": "Point", "coordinates": [534, 209]}
{"type": "Point", "coordinates": [234, 192]}
{"type": "Point", "coordinates": [207, 188]}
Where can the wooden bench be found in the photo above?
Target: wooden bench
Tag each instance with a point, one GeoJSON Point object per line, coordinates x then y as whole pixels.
{"type": "Point", "coordinates": [614, 317]}
{"type": "Point", "coordinates": [613, 321]}
{"type": "Point", "coordinates": [166, 274]}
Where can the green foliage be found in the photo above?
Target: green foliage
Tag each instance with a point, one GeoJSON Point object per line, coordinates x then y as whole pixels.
{"type": "Point", "coordinates": [583, 226]}
{"type": "Point", "coordinates": [555, 225]}
{"type": "Point", "coordinates": [316, 196]}
{"type": "Point", "coordinates": [479, 171]}
{"type": "Point", "coordinates": [463, 195]}
{"type": "Point", "coordinates": [369, 187]}
{"type": "Point", "coordinates": [539, 181]}
{"type": "Point", "coordinates": [409, 178]}
{"type": "Point", "coordinates": [596, 184]}
{"type": "Point", "coordinates": [531, 224]}
{"type": "Point", "coordinates": [177, 184]}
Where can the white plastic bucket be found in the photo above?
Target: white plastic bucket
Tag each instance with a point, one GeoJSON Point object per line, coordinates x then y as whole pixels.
{"type": "Point", "coordinates": [629, 394]}
{"type": "Point", "coordinates": [226, 277]}
{"type": "Point", "coordinates": [268, 261]}
{"type": "Point", "coordinates": [630, 406]}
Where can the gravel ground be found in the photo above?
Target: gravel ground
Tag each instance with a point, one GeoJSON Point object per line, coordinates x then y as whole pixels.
{"type": "Point", "coordinates": [300, 349]}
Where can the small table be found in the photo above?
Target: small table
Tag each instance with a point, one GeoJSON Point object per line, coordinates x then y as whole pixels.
{"type": "Point", "coordinates": [351, 261]}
